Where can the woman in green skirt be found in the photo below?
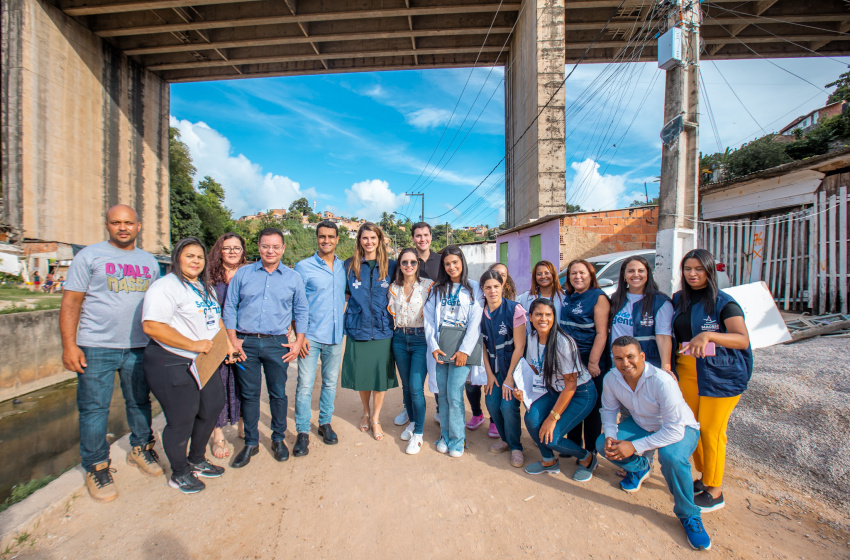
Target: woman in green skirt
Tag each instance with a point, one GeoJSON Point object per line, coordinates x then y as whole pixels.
{"type": "Point", "coordinates": [368, 365]}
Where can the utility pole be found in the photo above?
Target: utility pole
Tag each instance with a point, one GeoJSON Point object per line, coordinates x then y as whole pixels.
{"type": "Point", "coordinates": [677, 198]}
{"type": "Point", "coordinates": [422, 215]}
{"type": "Point", "coordinates": [448, 234]}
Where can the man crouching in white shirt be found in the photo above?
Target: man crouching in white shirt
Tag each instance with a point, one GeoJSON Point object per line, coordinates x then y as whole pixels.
{"type": "Point", "coordinates": [660, 419]}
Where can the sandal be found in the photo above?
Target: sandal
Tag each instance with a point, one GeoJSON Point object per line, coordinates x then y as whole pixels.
{"type": "Point", "coordinates": [376, 431]}
{"type": "Point", "coordinates": [220, 450]}
{"type": "Point", "coordinates": [364, 425]}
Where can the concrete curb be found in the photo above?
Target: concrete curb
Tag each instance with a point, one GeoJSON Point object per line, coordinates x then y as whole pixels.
{"type": "Point", "coordinates": [27, 515]}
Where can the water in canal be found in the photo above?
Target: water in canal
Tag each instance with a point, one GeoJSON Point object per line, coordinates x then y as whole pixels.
{"type": "Point", "coordinates": [39, 433]}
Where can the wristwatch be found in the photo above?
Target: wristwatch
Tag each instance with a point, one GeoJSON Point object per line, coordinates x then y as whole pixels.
{"type": "Point", "coordinates": [555, 415]}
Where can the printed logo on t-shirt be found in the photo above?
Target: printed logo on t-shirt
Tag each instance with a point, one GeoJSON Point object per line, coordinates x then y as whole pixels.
{"type": "Point", "coordinates": [384, 284]}
{"type": "Point", "coordinates": [577, 309]}
{"type": "Point", "coordinates": [709, 324]}
{"type": "Point", "coordinates": [623, 318]}
{"type": "Point", "coordinates": [356, 284]}
{"type": "Point", "coordinates": [127, 277]}
{"type": "Point", "coordinates": [647, 320]}
{"type": "Point", "coordinates": [503, 329]}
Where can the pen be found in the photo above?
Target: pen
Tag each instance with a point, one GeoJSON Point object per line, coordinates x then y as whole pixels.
{"type": "Point", "coordinates": [508, 386]}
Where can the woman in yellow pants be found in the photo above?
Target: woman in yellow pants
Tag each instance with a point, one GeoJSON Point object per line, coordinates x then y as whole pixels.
{"type": "Point", "coordinates": [716, 369]}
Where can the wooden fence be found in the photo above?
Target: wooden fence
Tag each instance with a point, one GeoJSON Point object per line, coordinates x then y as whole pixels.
{"type": "Point", "coordinates": [802, 256]}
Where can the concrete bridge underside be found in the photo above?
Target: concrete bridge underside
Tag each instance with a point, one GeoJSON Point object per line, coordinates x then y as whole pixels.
{"type": "Point", "coordinates": [85, 82]}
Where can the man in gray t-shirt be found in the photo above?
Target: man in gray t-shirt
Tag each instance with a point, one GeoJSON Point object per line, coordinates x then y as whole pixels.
{"type": "Point", "coordinates": [101, 327]}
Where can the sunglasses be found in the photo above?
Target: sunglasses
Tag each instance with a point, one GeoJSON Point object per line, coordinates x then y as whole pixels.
{"type": "Point", "coordinates": [409, 263]}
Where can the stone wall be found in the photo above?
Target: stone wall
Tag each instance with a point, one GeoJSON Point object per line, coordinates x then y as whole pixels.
{"type": "Point", "coordinates": [31, 349]}
{"type": "Point", "coordinates": [83, 128]}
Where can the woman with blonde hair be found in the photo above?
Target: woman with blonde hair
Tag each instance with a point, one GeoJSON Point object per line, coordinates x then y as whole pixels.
{"type": "Point", "coordinates": [367, 366]}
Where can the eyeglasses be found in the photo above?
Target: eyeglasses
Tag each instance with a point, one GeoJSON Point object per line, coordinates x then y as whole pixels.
{"type": "Point", "coordinates": [409, 263]}
{"type": "Point", "coordinates": [274, 248]}
{"type": "Point", "coordinates": [231, 249]}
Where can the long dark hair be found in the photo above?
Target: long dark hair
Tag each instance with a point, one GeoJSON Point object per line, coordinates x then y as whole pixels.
{"type": "Point", "coordinates": [708, 298]}
{"type": "Point", "coordinates": [444, 283]}
{"type": "Point", "coordinates": [178, 271]}
{"type": "Point", "coordinates": [398, 277]}
{"type": "Point", "coordinates": [215, 267]}
{"type": "Point", "coordinates": [594, 283]}
{"type": "Point", "coordinates": [491, 275]}
{"type": "Point", "coordinates": [650, 289]}
{"type": "Point", "coordinates": [510, 288]}
{"type": "Point", "coordinates": [551, 364]}
{"type": "Point", "coordinates": [556, 285]}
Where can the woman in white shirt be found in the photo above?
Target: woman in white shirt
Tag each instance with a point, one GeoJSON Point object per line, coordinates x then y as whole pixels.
{"type": "Point", "coordinates": [408, 293]}
{"type": "Point", "coordinates": [544, 284]}
{"type": "Point", "coordinates": [566, 393]}
{"type": "Point", "coordinates": [181, 316]}
{"type": "Point", "coordinates": [454, 301]}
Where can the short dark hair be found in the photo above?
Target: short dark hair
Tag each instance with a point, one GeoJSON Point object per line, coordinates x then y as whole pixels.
{"type": "Point", "coordinates": [419, 225]}
{"type": "Point", "coordinates": [271, 231]}
{"type": "Point", "coordinates": [327, 224]}
{"type": "Point", "coordinates": [624, 341]}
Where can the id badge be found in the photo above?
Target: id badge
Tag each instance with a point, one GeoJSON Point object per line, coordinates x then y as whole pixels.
{"type": "Point", "coordinates": [211, 319]}
{"type": "Point", "coordinates": [537, 384]}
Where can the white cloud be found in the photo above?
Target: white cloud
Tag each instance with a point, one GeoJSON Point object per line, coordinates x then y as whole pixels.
{"type": "Point", "coordinates": [594, 191]}
{"type": "Point", "coordinates": [368, 199]}
{"type": "Point", "coordinates": [247, 189]}
{"type": "Point", "coordinates": [428, 117]}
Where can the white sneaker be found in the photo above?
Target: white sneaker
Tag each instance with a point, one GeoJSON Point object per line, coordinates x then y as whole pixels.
{"type": "Point", "coordinates": [437, 418]}
{"type": "Point", "coordinates": [408, 432]}
{"type": "Point", "coordinates": [442, 447]}
{"type": "Point", "coordinates": [456, 454]}
{"type": "Point", "coordinates": [402, 418]}
{"type": "Point", "coordinates": [415, 444]}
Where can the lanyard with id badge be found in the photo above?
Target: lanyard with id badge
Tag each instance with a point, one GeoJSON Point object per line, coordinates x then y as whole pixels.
{"type": "Point", "coordinates": [538, 386]}
{"type": "Point", "coordinates": [210, 308]}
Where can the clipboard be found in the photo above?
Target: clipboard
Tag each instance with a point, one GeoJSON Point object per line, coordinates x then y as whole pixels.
{"type": "Point", "coordinates": [205, 365]}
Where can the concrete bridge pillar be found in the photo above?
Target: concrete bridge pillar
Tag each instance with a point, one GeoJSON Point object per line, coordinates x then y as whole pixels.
{"type": "Point", "coordinates": [535, 164]}
{"type": "Point", "coordinates": [83, 128]}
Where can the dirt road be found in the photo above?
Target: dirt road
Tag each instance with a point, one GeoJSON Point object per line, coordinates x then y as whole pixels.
{"type": "Point", "coordinates": [368, 499]}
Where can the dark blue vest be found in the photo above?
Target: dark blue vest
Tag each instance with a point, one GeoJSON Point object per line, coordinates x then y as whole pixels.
{"type": "Point", "coordinates": [577, 321]}
{"type": "Point", "coordinates": [728, 373]}
{"type": "Point", "coordinates": [367, 316]}
{"type": "Point", "coordinates": [498, 333]}
{"type": "Point", "coordinates": [643, 327]}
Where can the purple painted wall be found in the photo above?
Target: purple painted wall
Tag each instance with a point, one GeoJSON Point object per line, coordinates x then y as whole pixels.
{"type": "Point", "coordinates": [519, 251]}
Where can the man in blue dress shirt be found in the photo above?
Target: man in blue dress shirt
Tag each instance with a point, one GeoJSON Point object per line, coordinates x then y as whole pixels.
{"type": "Point", "coordinates": [324, 282]}
{"type": "Point", "coordinates": [263, 300]}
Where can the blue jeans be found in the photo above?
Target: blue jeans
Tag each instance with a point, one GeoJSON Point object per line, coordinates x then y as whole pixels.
{"type": "Point", "coordinates": [580, 406]}
{"type": "Point", "coordinates": [505, 414]}
{"type": "Point", "coordinates": [409, 351]}
{"type": "Point", "coordinates": [265, 353]}
{"type": "Point", "coordinates": [674, 459]}
{"type": "Point", "coordinates": [450, 382]}
{"type": "Point", "coordinates": [331, 355]}
{"type": "Point", "coordinates": [94, 395]}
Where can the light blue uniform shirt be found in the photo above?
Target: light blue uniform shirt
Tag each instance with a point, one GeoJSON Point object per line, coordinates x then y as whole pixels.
{"type": "Point", "coordinates": [325, 289]}
{"type": "Point", "coordinates": [266, 303]}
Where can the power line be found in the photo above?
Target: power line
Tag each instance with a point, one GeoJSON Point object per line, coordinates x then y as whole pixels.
{"type": "Point", "coordinates": [738, 98]}
{"type": "Point", "coordinates": [777, 20]}
{"type": "Point", "coordinates": [710, 114]}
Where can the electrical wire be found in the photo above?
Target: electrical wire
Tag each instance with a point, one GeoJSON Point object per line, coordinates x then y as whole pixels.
{"type": "Point", "coordinates": [738, 98]}
{"type": "Point", "coordinates": [776, 20]}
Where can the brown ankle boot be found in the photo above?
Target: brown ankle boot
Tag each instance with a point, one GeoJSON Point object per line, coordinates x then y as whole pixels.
{"type": "Point", "coordinates": [146, 459]}
{"type": "Point", "coordinates": [100, 484]}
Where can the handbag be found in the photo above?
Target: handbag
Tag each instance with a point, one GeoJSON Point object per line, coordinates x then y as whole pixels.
{"type": "Point", "coordinates": [451, 338]}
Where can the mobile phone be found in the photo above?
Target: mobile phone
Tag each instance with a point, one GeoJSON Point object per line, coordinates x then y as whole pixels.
{"type": "Point", "coordinates": [710, 349]}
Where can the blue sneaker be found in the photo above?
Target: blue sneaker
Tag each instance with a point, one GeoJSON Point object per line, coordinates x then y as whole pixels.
{"type": "Point", "coordinates": [538, 468]}
{"type": "Point", "coordinates": [631, 483]}
{"type": "Point", "coordinates": [583, 474]}
{"type": "Point", "coordinates": [697, 537]}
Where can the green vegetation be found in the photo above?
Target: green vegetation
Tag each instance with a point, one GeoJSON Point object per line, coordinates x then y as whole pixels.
{"type": "Point", "coordinates": [24, 300]}
{"type": "Point", "coordinates": [21, 491]}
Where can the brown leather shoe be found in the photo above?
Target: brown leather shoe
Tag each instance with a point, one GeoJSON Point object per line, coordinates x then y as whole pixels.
{"type": "Point", "coordinates": [146, 459]}
{"type": "Point", "coordinates": [100, 484]}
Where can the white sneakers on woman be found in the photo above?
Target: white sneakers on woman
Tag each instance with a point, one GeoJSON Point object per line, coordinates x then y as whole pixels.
{"type": "Point", "coordinates": [415, 444]}
{"type": "Point", "coordinates": [408, 432]}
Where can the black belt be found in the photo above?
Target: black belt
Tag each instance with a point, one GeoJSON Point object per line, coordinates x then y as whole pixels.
{"type": "Point", "coordinates": [412, 330]}
{"type": "Point", "coordinates": [254, 335]}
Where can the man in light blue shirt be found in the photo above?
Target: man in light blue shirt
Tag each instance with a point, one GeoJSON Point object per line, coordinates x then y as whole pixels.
{"type": "Point", "coordinates": [324, 282]}
{"type": "Point", "coordinates": [263, 300]}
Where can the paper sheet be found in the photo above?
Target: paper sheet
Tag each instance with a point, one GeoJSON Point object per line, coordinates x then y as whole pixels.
{"type": "Point", "coordinates": [524, 379]}
{"type": "Point", "coordinates": [205, 365]}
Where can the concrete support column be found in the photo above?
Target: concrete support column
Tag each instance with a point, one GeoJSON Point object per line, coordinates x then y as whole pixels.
{"type": "Point", "coordinates": [535, 163]}
{"type": "Point", "coordinates": [83, 128]}
{"type": "Point", "coordinates": [677, 206]}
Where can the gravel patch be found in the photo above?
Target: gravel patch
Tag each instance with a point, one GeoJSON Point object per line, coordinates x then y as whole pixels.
{"type": "Point", "coordinates": [794, 419]}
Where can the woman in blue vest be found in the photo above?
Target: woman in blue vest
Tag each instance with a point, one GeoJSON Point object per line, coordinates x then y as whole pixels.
{"type": "Point", "coordinates": [711, 381]}
{"type": "Point", "coordinates": [454, 301]}
{"type": "Point", "coordinates": [640, 310]}
{"type": "Point", "coordinates": [503, 328]}
{"type": "Point", "coordinates": [367, 365]}
{"type": "Point", "coordinates": [584, 317]}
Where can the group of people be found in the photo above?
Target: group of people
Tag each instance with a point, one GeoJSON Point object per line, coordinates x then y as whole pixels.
{"type": "Point", "coordinates": [625, 377]}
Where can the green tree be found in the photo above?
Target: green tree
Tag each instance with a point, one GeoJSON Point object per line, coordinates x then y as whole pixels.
{"type": "Point", "coordinates": [842, 89]}
{"type": "Point", "coordinates": [215, 218]}
{"type": "Point", "coordinates": [301, 206]}
{"type": "Point", "coordinates": [574, 208]}
{"type": "Point", "coordinates": [184, 218]}
{"type": "Point", "coordinates": [762, 153]}
{"type": "Point", "coordinates": [643, 202]}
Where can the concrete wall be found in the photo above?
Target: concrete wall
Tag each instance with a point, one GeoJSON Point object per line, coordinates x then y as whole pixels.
{"type": "Point", "coordinates": [535, 160]}
{"type": "Point", "coordinates": [479, 256]}
{"type": "Point", "coordinates": [519, 251]}
{"type": "Point", "coordinates": [597, 233]}
{"type": "Point", "coordinates": [83, 128]}
{"type": "Point", "coordinates": [31, 349]}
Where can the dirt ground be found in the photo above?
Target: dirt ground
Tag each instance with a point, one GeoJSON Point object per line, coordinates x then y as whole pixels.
{"type": "Point", "coordinates": [367, 499]}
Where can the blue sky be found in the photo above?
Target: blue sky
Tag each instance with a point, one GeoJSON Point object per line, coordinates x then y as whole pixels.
{"type": "Point", "coordinates": [355, 143]}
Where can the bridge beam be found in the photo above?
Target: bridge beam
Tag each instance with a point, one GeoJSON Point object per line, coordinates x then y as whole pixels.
{"type": "Point", "coordinates": [83, 128]}
{"type": "Point", "coordinates": [535, 156]}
